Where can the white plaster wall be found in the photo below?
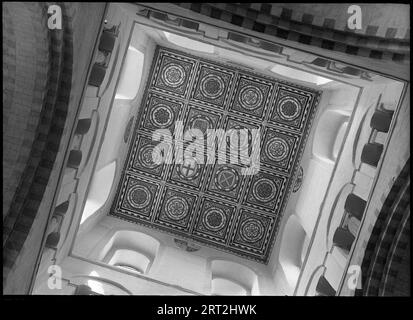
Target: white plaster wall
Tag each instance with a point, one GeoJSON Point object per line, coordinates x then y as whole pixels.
{"type": "Point", "coordinates": [191, 270]}
{"type": "Point", "coordinates": [343, 175]}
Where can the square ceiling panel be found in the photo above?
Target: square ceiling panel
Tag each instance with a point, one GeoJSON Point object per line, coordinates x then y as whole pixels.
{"type": "Point", "coordinates": [214, 204]}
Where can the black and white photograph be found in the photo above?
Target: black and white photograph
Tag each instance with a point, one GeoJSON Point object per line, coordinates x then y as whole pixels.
{"type": "Point", "coordinates": [206, 149]}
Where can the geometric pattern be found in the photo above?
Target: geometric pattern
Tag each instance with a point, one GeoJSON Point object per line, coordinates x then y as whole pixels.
{"type": "Point", "coordinates": [160, 113]}
{"type": "Point", "coordinates": [289, 112]}
{"type": "Point", "coordinates": [279, 149]}
{"type": "Point", "coordinates": [326, 31]}
{"type": "Point", "coordinates": [386, 261]}
{"type": "Point", "coordinates": [214, 204]}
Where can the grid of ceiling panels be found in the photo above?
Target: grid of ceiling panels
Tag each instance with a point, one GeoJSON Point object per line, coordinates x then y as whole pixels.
{"type": "Point", "coordinates": [214, 204]}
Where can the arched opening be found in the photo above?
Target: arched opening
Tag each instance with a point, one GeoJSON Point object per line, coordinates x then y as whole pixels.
{"type": "Point", "coordinates": [299, 75]}
{"type": "Point", "coordinates": [187, 43]}
{"type": "Point", "coordinates": [131, 76]}
{"type": "Point", "coordinates": [329, 135]}
{"type": "Point", "coordinates": [312, 192]}
{"type": "Point", "coordinates": [362, 135]}
{"type": "Point", "coordinates": [99, 191]}
{"type": "Point", "coordinates": [114, 135]}
{"type": "Point", "coordinates": [130, 250]}
{"type": "Point", "coordinates": [227, 287]}
{"type": "Point", "coordinates": [129, 260]}
{"type": "Point", "coordinates": [337, 212]}
{"type": "Point", "coordinates": [294, 240]}
{"type": "Point", "coordinates": [233, 278]}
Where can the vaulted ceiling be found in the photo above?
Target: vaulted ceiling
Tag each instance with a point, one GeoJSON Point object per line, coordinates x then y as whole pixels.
{"type": "Point", "coordinates": [215, 204]}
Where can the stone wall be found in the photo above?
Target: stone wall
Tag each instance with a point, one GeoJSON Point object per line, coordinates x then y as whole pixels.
{"type": "Point", "coordinates": [25, 70]}
{"type": "Point", "coordinates": [384, 34]}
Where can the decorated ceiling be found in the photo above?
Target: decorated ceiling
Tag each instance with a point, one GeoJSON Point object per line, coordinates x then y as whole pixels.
{"type": "Point", "coordinates": [214, 204]}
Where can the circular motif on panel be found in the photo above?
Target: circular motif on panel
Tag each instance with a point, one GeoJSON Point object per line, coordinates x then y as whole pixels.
{"type": "Point", "coordinates": [146, 158]}
{"type": "Point", "coordinates": [201, 122]}
{"type": "Point", "coordinates": [252, 230]}
{"type": "Point", "coordinates": [162, 116]}
{"type": "Point", "coordinates": [189, 169]}
{"type": "Point", "coordinates": [173, 75]}
{"type": "Point", "coordinates": [277, 149]}
{"type": "Point", "coordinates": [176, 208]}
{"type": "Point", "coordinates": [139, 196]}
{"type": "Point", "coordinates": [226, 179]}
{"type": "Point", "coordinates": [212, 86]}
{"type": "Point", "coordinates": [214, 219]}
{"type": "Point", "coordinates": [264, 190]}
{"type": "Point", "coordinates": [243, 141]}
{"type": "Point", "coordinates": [251, 97]}
{"type": "Point", "coordinates": [289, 108]}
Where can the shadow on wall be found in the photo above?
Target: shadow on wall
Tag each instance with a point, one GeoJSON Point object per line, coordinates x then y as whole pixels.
{"type": "Point", "coordinates": [231, 278]}
{"type": "Point", "coordinates": [93, 284]}
{"type": "Point", "coordinates": [100, 190]}
{"type": "Point", "coordinates": [293, 244]}
{"type": "Point", "coordinates": [329, 134]}
{"type": "Point", "coordinates": [130, 249]}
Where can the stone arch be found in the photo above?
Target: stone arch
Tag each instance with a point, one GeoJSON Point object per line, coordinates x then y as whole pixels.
{"type": "Point", "coordinates": [131, 74]}
{"type": "Point", "coordinates": [130, 248]}
{"type": "Point", "coordinates": [101, 186]}
{"type": "Point", "coordinates": [329, 135]}
{"type": "Point", "coordinates": [294, 240]}
{"type": "Point", "coordinates": [230, 277]}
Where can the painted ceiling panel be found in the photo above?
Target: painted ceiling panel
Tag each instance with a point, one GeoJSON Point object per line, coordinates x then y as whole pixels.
{"type": "Point", "coordinates": [214, 204]}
